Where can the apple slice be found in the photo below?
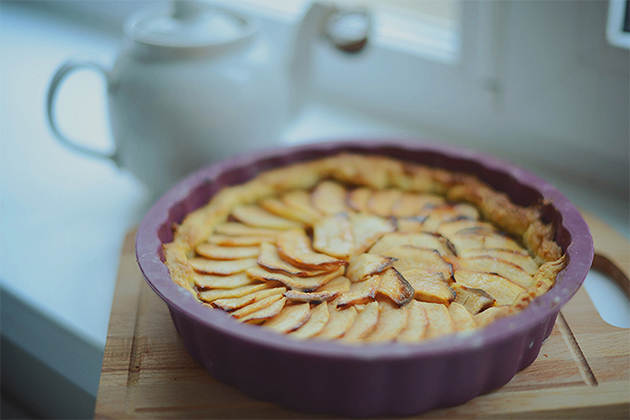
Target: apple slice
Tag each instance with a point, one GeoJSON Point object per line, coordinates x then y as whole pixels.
{"type": "Point", "coordinates": [279, 208]}
{"type": "Point", "coordinates": [447, 212]}
{"type": "Point", "coordinates": [332, 235]}
{"type": "Point", "coordinates": [254, 215]}
{"type": "Point", "coordinates": [417, 323]}
{"type": "Point", "coordinates": [360, 292]}
{"type": "Point", "coordinates": [266, 307]}
{"type": "Point", "coordinates": [270, 260]}
{"type": "Point", "coordinates": [391, 321]}
{"type": "Point", "coordinates": [303, 284]}
{"type": "Point", "coordinates": [500, 288]}
{"type": "Point", "coordinates": [329, 197]}
{"type": "Point", "coordinates": [382, 201]}
{"type": "Point", "coordinates": [290, 318]}
{"type": "Point", "coordinates": [365, 322]}
{"type": "Point", "coordinates": [410, 204]}
{"type": "Point", "coordinates": [482, 238]}
{"type": "Point", "coordinates": [311, 297]}
{"type": "Point", "coordinates": [231, 304]}
{"type": "Point", "coordinates": [339, 322]}
{"type": "Point", "coordinates": [222, 268]}
{"type": "Point", "coordinates": [217, 252]}
{"type": "Point", "coordinates": [295, 246]}
{"type": "Point", "coordinates": [490, 314]}
{"type": "Point", "coordinates": [429, 286]}
{"type": "Point", "coordinates": [410, 256]}
{"type": "Point", "coordinates": [339, 285]}
{"type": "Point", "coordinates": [205, 281]}
{"type": "Point", "coordinates": [319, 318]}
{"type": "Point", "coordinates": [357, 199]}
{"type": "Point", "coordinates": [462, 319]}
{"type": "Point", "coordinates": [394, 286]}
{"type": "Point", "coordinates": [519, 258]}
{"type": "Point", "coordinates": [240, 241]}
{"type": "Point", "coordinates": [214, 294]}
{"type": "Point", "coordinates": [440, 322]}
{"type": "Point", "coordinates": [240, 229]}
{"type": "Point", "coordinates": [419, 239]}
{"type": "Point", "coordinates": [366, 265]}
{"type": "Point", "coordinates": [410, 224]}
{"type": "Point", "coordinates": [301, 200]}
{"type": "Point", "coordinates": [474, 300]}
{"type": "Point", "coordinates": [498, 266]}
{"type": "Point", "coordinates": [451, 227]}
{"type": "Point", "coordinates": [367, 229]}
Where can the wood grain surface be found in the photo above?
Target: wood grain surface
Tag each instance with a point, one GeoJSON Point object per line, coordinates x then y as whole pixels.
{"type": "Point", "coordinates": [582, 370]}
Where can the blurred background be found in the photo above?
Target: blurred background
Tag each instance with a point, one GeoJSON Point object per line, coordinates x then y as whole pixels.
{"type": "Point", "coordinates": [541, 84]}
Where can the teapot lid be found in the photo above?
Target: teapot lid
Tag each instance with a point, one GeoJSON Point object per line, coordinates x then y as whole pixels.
{"type": "Point", "coordinates": [188, 23]}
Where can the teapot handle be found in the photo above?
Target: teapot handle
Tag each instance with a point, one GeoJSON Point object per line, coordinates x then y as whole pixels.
{"type": "Point", "coordinates": [64, 71]}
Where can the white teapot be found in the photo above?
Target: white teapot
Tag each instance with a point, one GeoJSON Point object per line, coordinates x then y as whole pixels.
{"type": "Point", "coordinates": [194, 83]}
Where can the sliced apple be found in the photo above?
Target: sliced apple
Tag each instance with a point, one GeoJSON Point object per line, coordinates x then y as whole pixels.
{"type": "Point", "coordinates": [279, 208]}
{"type": "Point", "coordinates": [410, 224]}
{"type": "Point", "coordinates": [205, 281]}
{"type": "Point", "coordinates": [382, 201]}
{"type": "Point", "coordinates": [311, 297]}
{"type": "Point", "coordinates": [391, 321]}
{"type": "Point", "coordinates": [410, 204]}
{"type": "Point", "coordinates": [217, 252]}
{"type": "Point", "coordinates": [319, 318]}
{"type": "Point", "coordinates": [419, 239]}
{"type": "Point", "coordinates": [440, 322]}
{"type": "Point", "coordinates": [451, 227]}
{"type": "Point", "coordinates": [504, 268]}
{"type": "Point", "coordinates": [365, 322]}
{"type": "Point", "coordinates": [474, 300]}
{"type": "Point", "coordinates": [360, 292]}
{"type": "Point", "coordinates": [358, 198]}
{"type": "Point", "coordinates": [231, 304]}
{"type": "Point", "coordinates": [394, 286]}
{"type": "Point", "coordinates": [303, 284]}
{"type": "Point", "coordinates": [332, 235]}
{"type": "Point", "coordinates": [490, 314]}
{"type": "Point", "coordinates": [500, 288]}
{"type": "Point", "coordinates": [270, 260]}
{"type": "Point", "coordinates": [300, 199]}
{"type": "Point", "coordinates": [366, 265]}
{"type": "Point", "coordinates": [417, 323]}
{"type": "Point", "coordinates": [254, 215]}
{"type": "Point", "coordinates": [329, 197]}
{"type": "Point", "coordinates": [339, 322]}
{"type": "Point", "coordinates": [462, 319]}
{"type": "Point", "coordinates": [240, 229]}
{"type": "Point", "coordinates": [339, 285]}
{"type": "Point", "coordinates": [367, 229]}
{"type": "Point", "coordinates": [214, 294]}
{"type": "Point", "coordinates": [290, 318]}
{"type": "Point", "coordinates": [222, 268]}
{"type": "Point", "coordinates": [270, 309]}
{"type": "Point", "coordinates": [261, 305]}
{"type": "Point", "coordinates": [409, 256]}
{"type": "Point", "coordinates": [429, 286]}
{"type": "Point", "coordinates": [240, 241]}
{"type": "Point", "coordinates": [520, 258]}
{"type": "Point", "coordinates": [294, 246]}
{"type": "Point", "coordinates": [482, 238]}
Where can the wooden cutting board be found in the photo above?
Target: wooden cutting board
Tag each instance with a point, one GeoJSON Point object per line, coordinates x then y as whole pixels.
{"type": "Point", "coordinates": [583, 369]}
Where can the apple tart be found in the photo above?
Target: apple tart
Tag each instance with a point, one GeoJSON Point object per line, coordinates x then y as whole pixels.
{"type": "Point", "coordinates": [364, 249]}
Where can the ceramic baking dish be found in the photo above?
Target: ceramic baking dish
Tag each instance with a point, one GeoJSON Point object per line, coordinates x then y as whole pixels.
{"type": "Point", "coordinates": [383, 379]}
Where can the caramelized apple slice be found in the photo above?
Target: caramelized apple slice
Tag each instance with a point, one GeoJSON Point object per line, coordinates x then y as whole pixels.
{"type": "Point", "coordinates": [429, 286]}
{"type": "Point", "coordinates": [311, 297]}
{"type": "Point", "coordinates": [474, 300]}
{"type": "Point", "coordinates": [301, 200]}
{"type": "Point", "coordinates": [290, 318]}
{"type": "Point", "coordinates": [394, 286]}
{"type": "Point", "coordinates": [358, 198]}
{"type": "Point", "coordinates": [440, 322]}
{"type": "Point", "coordinates": [504, 268]}
{"type": "Point", "coordinates": [391, 321]}
{"type": "Point", "coordinates": [446, 212]}
{"type": "Point", "coordinates": [270, 260]}
{"type": "Point", "coordinates": [419, 239]}
{"type": "Point", "coordinates": [410, 256]}
{"type": "Point", "coordinates": [417, 323]}
{"type": "Point", "coordinates": [451, 227]}
{"type": "Point", "coordinates": [410, 224]}
{"type": "Point", "coordinates": [462, 319]}
{"type": "Point", "coordinates": [366, 265]}
{"type": "Point", "coordinates": [410, 204]}
{"type": "Point", "coordinates": [240, 241]}
{"type": "Point", "coordinates": [231, 304]}
{"type": "Point", "coordinates": [329, 197]}
{"type": "Point", "coordinates": [332, 235]}
{"type": "Point", "coordinates": [482, 238]}
{"type": "Point", "coordinates": [263, 306]}
{"type": "Point", "coordinates": [339, 322]}
{"type": "Point", "coordinates": [217, 252]}
{"type": "Point", "coordinates": [500, 288]}
{"type": "Point", "coordinates": [360, 292]}
{"type": "Point", "coordinates": [240, 229]}
{"type": "Point", "coordinates": [319, 318]}
{"type": "Point", "coordinates": [254, 215]}
{"type": "Point", "coordinates": [339, 285]}
{"type": "Point", "coordinates": [222, 268]}
{"type": "Point", "coordinates": [279, 208]}
{"type": "Point", "coordinates": [294, 246]}
{"type": "Point", "coordinates": [205, 281]}
{"type": "Point", "coordinates": [365, 322]}
{"type": "Point", "coordinates": [214, 294]}
{"type": "Point", "coordinates": [367, 229]}
{"type": "Point", "coordinates": [490, 314]}
{"type": "Point", "coordinates": [519, 258]}
{"type": "Point", "coordinates": [382, 201]}
{"type": "Point", "coordinates": [303, 284]}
